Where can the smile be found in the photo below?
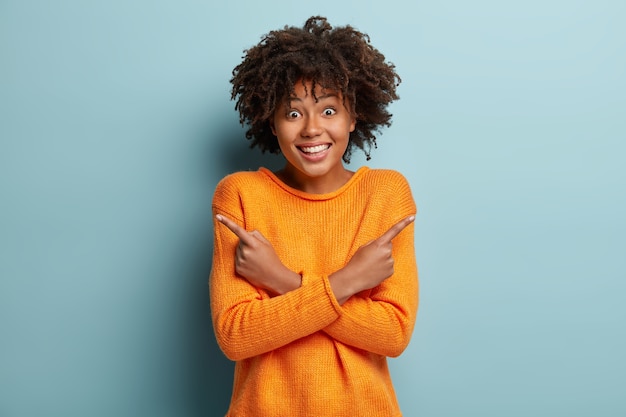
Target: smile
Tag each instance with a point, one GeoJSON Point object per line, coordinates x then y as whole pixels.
{"type": "Point", "coordinates": [314, 149]}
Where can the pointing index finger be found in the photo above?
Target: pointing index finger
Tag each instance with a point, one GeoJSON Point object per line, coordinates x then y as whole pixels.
{"type": "Point", "coordinates": [239, 231]}
{"type": "Point", "coordinates": [396, 229]}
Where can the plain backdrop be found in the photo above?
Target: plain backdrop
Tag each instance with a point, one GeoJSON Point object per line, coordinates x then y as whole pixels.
{"type": "Point", "coordinates": [116, 124]}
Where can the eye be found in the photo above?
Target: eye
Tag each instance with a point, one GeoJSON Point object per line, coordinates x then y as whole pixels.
{"type": "Point", "coordinates": [329, 111]}
{"type": "Point", "coordinates": [293, 114]}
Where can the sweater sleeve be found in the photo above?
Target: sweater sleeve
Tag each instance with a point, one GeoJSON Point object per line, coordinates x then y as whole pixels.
{"type": "Point", "coordinates": [381, 320]}
{"type": "Point", "coordinates": [247, 322]}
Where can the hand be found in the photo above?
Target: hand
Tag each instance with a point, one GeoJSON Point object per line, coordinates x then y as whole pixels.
{"type": "Point", "coordinates": [257, 262]}
{"type": "Point", "coordinates": [370, 265]}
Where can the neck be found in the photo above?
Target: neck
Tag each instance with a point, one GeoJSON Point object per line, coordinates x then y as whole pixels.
{"type": "Point", "coordinates": [314, 185]}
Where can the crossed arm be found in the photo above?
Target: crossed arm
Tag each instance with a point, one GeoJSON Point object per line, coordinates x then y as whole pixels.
{"type": "Point", "coordinates": [379, 320]}
{"type": "Point", "coordinates": [256, 261]}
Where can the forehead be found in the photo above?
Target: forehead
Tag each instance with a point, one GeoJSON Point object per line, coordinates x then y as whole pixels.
{"type": "Point", "coordinates": [305, 89]}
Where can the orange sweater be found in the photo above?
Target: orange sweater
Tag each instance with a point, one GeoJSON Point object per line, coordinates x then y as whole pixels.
{"type": "Point", "coordinates": [301, 353]}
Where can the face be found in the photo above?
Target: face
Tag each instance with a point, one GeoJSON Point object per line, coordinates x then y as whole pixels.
{"type": "Point", "coordinates": [313, 136]}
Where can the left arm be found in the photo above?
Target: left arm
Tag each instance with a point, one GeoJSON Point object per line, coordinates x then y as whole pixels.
{"type": "Point", "coordinates": [381, 320]}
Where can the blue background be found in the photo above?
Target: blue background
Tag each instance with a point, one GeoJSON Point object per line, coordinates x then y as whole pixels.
{"type": "Point", "coordinates": [116, 125]}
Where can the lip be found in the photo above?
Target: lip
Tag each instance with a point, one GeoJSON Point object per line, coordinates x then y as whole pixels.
{"type": "Point", "coordinates": [316, 156]}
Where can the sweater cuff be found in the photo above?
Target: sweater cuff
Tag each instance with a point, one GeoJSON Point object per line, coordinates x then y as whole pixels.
{"type": "Point", "coordinates": [321, 285]}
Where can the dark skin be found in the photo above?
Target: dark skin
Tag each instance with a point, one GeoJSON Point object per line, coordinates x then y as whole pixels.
{"type": "Point", "coordinates": [257, 262]}
{"type": "Point", "coordinates": [339, 58]}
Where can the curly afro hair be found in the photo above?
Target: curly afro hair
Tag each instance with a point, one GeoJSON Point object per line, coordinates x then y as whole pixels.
{"type": "Point", "coordinates": [341, 59]}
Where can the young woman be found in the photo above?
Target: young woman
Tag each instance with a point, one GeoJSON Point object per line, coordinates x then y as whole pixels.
{"type": "Point", "coordinates": [314, 279]}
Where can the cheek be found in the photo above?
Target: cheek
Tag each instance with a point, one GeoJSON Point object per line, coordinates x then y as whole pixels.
{"type": "Point", "coordinates": [282, 140]}
{"type": "Point", "coordinates": [342, 133]}
{"type": "Point", "coordinates": [280, 132]}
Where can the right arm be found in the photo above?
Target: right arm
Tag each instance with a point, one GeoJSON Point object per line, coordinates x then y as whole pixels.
{"type": "Point", "coordinates": [247, 321]}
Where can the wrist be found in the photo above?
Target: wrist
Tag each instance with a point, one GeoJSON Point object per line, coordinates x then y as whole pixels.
{"type": "Point", "coordinates": [342, 286]}
{"type": "Point", "coordinates": [288, 281]}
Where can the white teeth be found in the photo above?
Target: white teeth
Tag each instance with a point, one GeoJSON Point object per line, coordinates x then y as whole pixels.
{"type": "Point", "coordinates": [314, 149]}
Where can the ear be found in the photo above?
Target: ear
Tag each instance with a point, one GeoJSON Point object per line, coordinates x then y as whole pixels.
{"type": "Point", "coordinates": [271, 122]}
{"type": "Point", "coordinates": [352, 124]}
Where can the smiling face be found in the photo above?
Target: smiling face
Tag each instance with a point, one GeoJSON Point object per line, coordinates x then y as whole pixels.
{"type": "Point", "coordinates": [313, 136]}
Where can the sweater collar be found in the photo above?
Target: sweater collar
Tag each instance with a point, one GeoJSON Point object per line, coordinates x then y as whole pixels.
{"type": "Point", "coordinates": [358, 174]}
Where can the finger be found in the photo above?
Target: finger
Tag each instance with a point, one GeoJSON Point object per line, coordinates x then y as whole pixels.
{"type": "Point", "coordinates": [259, 236]}
{"type": "Point", "coordinates": [239, 231]}
{"type": "Point", "coordinates": [396, 229]}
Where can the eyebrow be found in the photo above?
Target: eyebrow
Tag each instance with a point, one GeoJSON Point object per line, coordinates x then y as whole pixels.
{"type": "Point", "coordinates": [323, 97]}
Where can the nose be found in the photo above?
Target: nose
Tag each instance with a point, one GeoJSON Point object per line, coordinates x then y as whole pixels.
{"type": "Point", "coordinates": [312, 127]}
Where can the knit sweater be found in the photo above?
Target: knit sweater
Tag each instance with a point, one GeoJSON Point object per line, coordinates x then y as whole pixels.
{"type": "Point", "coordinates": [301, 353]}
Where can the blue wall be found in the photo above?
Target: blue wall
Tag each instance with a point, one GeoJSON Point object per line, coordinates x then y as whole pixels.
{"type": "Point", "coordinates": [116, 124]}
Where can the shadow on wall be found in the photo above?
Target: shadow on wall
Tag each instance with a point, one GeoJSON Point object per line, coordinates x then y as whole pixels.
{"type": "Point", "coordinates": [228, 151]}
{"type": "Point", "coordinates": [234, 153]}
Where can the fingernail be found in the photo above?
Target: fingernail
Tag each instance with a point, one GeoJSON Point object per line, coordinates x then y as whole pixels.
{"type": "Point", "coordinates": [218, 217]}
